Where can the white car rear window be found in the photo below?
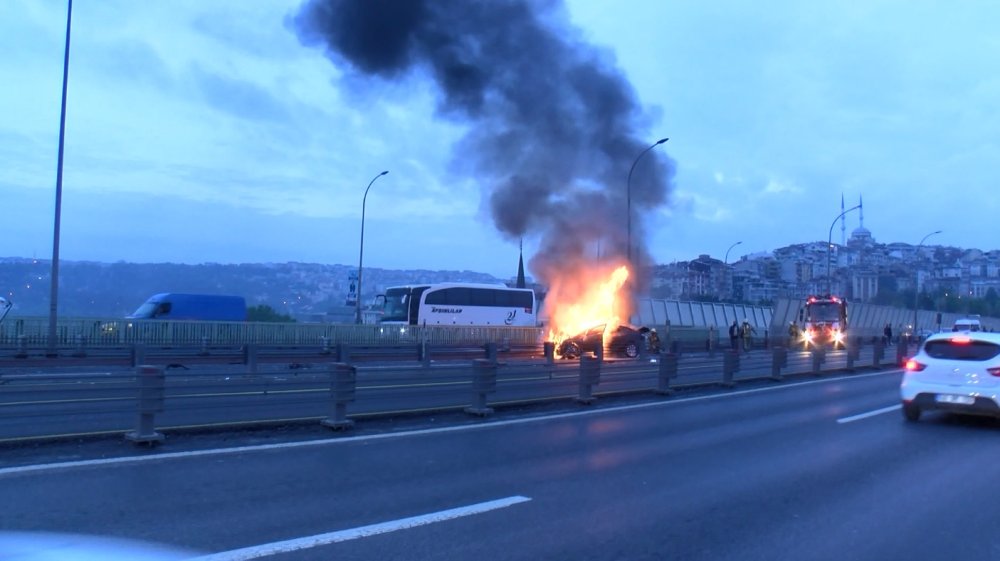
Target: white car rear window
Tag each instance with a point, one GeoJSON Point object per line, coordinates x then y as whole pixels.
{"type": "Point", "coordinates": [961, 350]}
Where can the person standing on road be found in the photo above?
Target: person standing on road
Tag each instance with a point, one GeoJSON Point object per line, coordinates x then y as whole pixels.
{"type": "Point", "coordinates": [793, 333]}
{"type": "Point", "coordinates": [887, 334]}
{"type": "Point", "coordinates": [654, 341]}
{"type": "Point", "coordinates": [734, 335]}
{"type": "Point", "coordinates": [747, 334]}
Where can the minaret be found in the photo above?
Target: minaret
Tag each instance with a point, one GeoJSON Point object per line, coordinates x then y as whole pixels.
{"type": "Point", "coordinates": [843, 224]}
{"type": "Point", "coordinates": [520, 266]}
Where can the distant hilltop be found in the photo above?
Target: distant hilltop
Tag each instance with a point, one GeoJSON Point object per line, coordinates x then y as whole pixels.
{"type": "Point", "coordinates": [92, 289]}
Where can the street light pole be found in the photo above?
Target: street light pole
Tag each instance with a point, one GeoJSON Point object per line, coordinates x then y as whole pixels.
{"type": "Point", "coordinates": [726, 260]}
{"type": "Point", "coordinates": [725, 263]}
{"type": "Point", "coordinates": [916, 280]}
{"type": "Point", "coordinates": [54, 294]}
{"type": "Point", "coordinates": [361, 254]}
{"type": "Point", "coordinates": [628, 194]}
{"type": "Point", "coordinates": [829, 242]}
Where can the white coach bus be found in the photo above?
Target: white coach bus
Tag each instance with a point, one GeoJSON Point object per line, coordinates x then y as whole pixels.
{"type": "Point", "coordinates": [454, 303]}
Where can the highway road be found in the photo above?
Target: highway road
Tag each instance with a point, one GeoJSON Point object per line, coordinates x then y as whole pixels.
{"type": "Point", "coordinates": [813, 470]}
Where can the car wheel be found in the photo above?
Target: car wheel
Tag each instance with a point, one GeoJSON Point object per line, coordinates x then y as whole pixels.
{"type": "Point", "coordinates": [570, 350]}
{"type": "Point", "coordinates": [631, 349]}
{"type": "Point", "coordinates": [911, 412]}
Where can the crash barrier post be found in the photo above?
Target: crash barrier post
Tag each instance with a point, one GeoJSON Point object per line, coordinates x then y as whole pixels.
{"type": "Point", "coordinates": [491, 351]}
{"type": "Point", "coordinates": [250, 357]}
{"type": "Point", "coordinates": [81, 346]}
{"type": "Point", "coordinates": [730, 365]}
{"type": "Point", "coordinates": [324, 345]}
{"type": "Point", "coordinates": [902, 350]}
{"type": "Point", "coordinates": [484, 381]}
{"type": "Point", "coordinates": [138, 353]}
{"type": "Point", "coordinates": [343, 383]}
{"type": "Point", "coordinates": [204, 346]}
{"type": "Point", "coordinates": [878, 351]}
{"type": "Point", "coordinates": [779, 359]}
{"type": "Point", "coordinates": [853, 354]}
{"type": "Point", "coordinates": [590, 375]}
{"type": "Point", "coordinates": [549, 350]}
{"type": "Point", "coordinates": [675, 347]}
{"type": "Point", "coordinates": [423, 353]}
{"type": "Point", "coordinates": [151, 397]}
{"type": "Point", "coordinates": [818, 359]}
{"type": "Point", "coordinates": [343, 353]}
{"type": "Point", "coordinates": [667, 370]}
{"type": "Point", "coordinates": [599, 352]}
{"type": "Point", "coordinates": [22, 347]}
{"type": "Point", "coordinates": [710, 343]}
{"type": "Point", "coordinates": [766, 339]}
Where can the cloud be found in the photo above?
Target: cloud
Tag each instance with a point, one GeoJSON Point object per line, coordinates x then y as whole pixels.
{"type": "Point", "coordinates": [238, 97]}
{"type": "Point", "coordinates": [776, 186]}
{"type": "Point", "coordinates": [700, 207]}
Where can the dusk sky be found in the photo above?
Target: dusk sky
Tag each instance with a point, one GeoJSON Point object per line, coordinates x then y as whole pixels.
{"type": "Point", "coordinates": [208, 131]}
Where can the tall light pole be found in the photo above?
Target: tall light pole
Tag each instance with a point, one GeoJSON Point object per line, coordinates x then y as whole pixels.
{"type": "Point", "coordinates": [829, 242]}
{"type": "Point", "coordinates": [726, 260]}
{"type": "Point", "coordinates": [916, 280]}
{"type": "Point", "coordinates": [54, 294]}
{"type": "Point", "coordinates": [361, 254]}
{"type": "Point", "coordinates": [725, 263]}
{"type": "Point", "coordinates": [628, 193]}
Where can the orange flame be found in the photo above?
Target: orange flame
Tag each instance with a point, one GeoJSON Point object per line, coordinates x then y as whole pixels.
{"type": "Point", "coordinates": [584, 300]}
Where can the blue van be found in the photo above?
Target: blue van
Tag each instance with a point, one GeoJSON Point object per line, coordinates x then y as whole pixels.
{"type": "Point", "coordinates": [204, 307]}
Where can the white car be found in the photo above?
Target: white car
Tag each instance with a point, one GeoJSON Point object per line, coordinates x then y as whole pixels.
{"type": "Point", "coordinates": [955, 372]}
{"type": "Point", "coordinates": [967, 324]}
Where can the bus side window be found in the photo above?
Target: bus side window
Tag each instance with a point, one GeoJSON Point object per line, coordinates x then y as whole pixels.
{"type": "Point", "coordinates": [505, 299]}
{"type": "Point", "coordinates": [483, 297]}
{"type": "Point", "coordinates": [457, 296]}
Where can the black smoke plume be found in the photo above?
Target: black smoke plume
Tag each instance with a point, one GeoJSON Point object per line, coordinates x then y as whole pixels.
{"type": "Point", "coordinates": [553, 125]}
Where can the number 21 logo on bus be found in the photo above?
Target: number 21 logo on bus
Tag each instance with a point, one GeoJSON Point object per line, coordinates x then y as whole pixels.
{"type": "Point", "coordinates": [510, 317]}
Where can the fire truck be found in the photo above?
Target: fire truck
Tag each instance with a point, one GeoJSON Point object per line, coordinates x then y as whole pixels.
{"type": "Point", "coordinates": [824, 322]}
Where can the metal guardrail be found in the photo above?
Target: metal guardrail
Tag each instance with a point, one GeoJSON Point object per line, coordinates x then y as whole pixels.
{"type": "Point", "coordinates": [116, 332]}
{"type": "Point", "coordinates": [145, 401]}
{"type": "Point", "coordinates": [401, 345]}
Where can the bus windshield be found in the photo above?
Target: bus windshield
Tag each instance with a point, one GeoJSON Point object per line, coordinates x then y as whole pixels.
{"type": "Point", "coordinates": [396, 304]}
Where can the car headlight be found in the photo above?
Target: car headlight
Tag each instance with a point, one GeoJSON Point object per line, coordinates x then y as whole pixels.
{"type": "Point", "coordinates": [838, 336]}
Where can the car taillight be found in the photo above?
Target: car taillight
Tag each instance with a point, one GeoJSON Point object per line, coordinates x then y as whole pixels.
{"type": "Point", "coordinates": [959, 340]}
{"type": "Point", "coordinates": [914, 366]}
{"type": "Point", "coordinates": [995, 371]}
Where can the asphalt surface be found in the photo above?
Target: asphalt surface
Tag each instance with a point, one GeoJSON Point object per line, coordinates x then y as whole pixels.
{"type": "Point", "coordinates": [821, 469]}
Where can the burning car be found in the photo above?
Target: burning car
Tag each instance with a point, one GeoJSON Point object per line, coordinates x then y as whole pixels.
{"type": "Point", "coordinates": [625, 341]}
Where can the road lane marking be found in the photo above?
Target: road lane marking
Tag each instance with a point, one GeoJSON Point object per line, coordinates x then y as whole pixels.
{"type": "Point", "coordinates": [60, 401]}
{"type": "Point", "coordinates": [37, 468]}
{"type": "Point", "coordinates": [287, 546]}
{"type": "Point", "coordinates": [860, 416]}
